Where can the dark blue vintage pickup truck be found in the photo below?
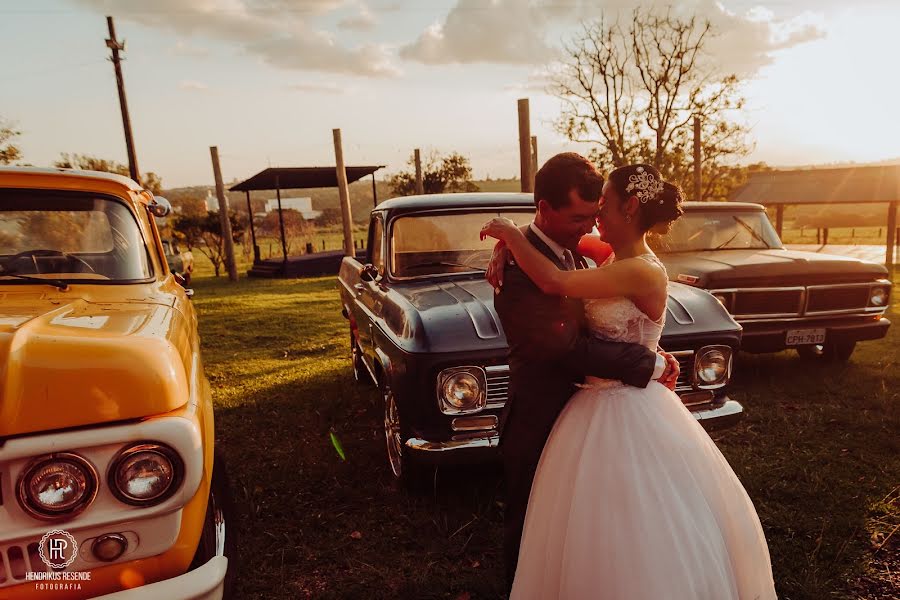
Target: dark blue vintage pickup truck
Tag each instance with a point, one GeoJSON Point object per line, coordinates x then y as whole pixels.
{"type": "Point", "coordinates": [424, 330]}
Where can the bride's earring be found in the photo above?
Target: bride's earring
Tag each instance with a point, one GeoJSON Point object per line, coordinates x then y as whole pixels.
{"type": "Point", "coordinates": [628, 218]}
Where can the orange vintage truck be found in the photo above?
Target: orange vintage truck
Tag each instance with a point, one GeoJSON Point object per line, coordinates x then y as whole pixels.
{"type": "Point", "coordinates": [109, 484]}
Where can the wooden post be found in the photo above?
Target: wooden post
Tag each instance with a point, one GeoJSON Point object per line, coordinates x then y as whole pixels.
{"type": "Point", "coordinates": [420, 184]}
{"type": "Point", "coordinates": [284, 254]}
{"type": "Point", "coordinates": [230, 264]}
{"type": "Point", "coordinates": [891, 237]}
{"type": "Point", "coordinates": [779, 219]}
{"type": "Point", "coordinates": [534, 159]}
{"type": "Point", "coordinates": [525, 160]}
{"type": "Point", "coordinates": [344, 193]}
{"type": "Point", "coordinates": [252, 230]}
{"type": "Point", "coordinates": [698, 182]}
{"type": "Point", "coordinates": [374, 192]}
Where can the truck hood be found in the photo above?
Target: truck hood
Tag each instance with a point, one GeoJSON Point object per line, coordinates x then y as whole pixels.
{"type": "Point", "coordinates": [763, 268]}
{"type": "Point", "coordinates": [69, 362]}
{"type": "Point", "coordinates": [458, 315]}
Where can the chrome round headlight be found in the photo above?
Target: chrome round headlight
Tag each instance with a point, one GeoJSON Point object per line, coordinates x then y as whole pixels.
{"type": "Point", "coordinates": [145, 474]}
{"type": "Point", "coordinates": [878, 296]}
{"type": "Point", "coordinates": [712, 366]}
{"type": "Point", "coordinates": [57, 486]}
{"type": "Point", "coordinates": [461, 390]}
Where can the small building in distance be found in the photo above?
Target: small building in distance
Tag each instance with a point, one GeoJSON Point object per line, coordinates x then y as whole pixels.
{"type": "Point", "coordinates": [301, 205]}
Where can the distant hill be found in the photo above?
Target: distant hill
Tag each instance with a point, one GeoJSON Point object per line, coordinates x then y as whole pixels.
{"type": "Point", "coordinates": [192, 197]}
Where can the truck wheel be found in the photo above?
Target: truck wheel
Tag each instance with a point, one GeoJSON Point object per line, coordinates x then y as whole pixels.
{"type": "Point", "coordinates": [827, 352]}
{"type": "Point", "coordinates": [406, 472]}
{"type": "Point", "coordinates": [219, 520]}
{"type": "Point", "coordinates": [360, 375]}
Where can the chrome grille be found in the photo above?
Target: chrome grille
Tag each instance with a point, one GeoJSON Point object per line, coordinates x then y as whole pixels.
{"type": "Point", "coordinates": [831, 298]}
{"type": "Point", "coordinates": [497, 385]}
{"type": "Point", "coordinates": [768, 302]}
{"type": "Point", "coordinates": [16, 560]}
{"type": "Point", "coordinates": [685, 360]}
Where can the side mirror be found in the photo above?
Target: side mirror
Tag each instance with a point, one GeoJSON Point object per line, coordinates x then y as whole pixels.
{"type": "Point", "coordinates": [160, 207]}
{"type": "Point", "coordinates": [369, 273]}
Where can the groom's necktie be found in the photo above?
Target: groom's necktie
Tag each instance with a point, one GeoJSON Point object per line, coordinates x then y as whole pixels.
{"type": "Point", "coordinates": [568, 260]}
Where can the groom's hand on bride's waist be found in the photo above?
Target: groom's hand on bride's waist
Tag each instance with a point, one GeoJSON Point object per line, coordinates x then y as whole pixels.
{"type": "Point", "coordinates": [667, 369]}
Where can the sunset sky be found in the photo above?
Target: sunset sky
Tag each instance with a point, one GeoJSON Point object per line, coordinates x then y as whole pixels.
{"type": "Point", "coordinates": [267, 80]}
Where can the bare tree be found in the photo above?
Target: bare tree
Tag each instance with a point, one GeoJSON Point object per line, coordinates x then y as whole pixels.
{"type": "Point", "coordinates": [9, 151]}
{"type": "Point", "coordinates": [634, 89]}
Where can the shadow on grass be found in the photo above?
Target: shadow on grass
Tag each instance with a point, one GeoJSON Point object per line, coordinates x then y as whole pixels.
{"type": "Point", "coordinates": [818, 453]}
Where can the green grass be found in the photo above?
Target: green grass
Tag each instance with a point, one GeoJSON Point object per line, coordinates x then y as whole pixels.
{"type": "Point", "coordinates": [818, 452]}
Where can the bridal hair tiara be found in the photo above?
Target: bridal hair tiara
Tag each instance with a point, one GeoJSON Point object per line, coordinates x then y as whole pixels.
{"type": "Point", "coordinates": [648, 187]}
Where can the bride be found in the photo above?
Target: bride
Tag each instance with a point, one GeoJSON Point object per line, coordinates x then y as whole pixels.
{"type": "Point", "coordinates": [631, 499]}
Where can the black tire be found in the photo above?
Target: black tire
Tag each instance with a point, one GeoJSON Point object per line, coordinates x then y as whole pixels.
{"type": "Point", "coordinates": [405, 470]}
{"type": "Point", "coordinates": [213, 540]}
{"type": "Point", "coordinates": [828, 352]}
{"type": "Point", "coordinates": [360, 374]}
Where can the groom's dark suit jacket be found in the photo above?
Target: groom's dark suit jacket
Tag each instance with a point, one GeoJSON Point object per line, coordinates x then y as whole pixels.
{"type": "Point", "coordinates": [549, 352]}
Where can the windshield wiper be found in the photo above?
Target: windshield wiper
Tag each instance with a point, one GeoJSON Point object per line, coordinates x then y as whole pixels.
{"type": "Point", "coordinates": [62, 285]}
{"type": "Point", "coordinates": [752, 231]}
{"type": "Point", "coordinates": [731, 239]}
{"type": "Point", "coordinates": [445, 264]}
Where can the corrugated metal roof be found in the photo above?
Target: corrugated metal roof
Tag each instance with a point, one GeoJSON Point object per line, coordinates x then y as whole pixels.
{"type": "Point", "coordinates": [822, 186]}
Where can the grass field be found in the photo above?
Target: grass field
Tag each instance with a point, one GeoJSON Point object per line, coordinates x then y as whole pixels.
{"type": "Point", "coordinates": [819, 453]}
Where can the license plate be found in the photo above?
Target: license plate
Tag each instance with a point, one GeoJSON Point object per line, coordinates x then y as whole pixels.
{"type": "Point", "coordinates": [800, 337]}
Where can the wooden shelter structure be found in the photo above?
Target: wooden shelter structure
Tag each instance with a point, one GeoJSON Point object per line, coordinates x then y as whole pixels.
{"type": "Point", "coordinates": [293, 178]}
{"type": "Point", "coordinates": [848, 185]}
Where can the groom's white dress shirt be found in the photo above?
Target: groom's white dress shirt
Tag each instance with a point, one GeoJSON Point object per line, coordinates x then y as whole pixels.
{"type": "Point", "coordinates": [565, 257]}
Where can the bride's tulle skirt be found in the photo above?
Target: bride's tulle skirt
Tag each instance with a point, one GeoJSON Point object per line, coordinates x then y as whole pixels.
{"type": "Point", "coordinates": [632, 500]}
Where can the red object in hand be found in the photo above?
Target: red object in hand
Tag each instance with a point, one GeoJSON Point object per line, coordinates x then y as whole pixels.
{"type": "Point", "coordinates": [592, 246]}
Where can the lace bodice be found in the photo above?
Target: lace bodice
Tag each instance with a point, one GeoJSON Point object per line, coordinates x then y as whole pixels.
{"type": "Point", "coordinates": [620, 320]}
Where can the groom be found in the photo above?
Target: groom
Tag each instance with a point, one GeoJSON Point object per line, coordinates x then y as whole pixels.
{"type": "Point", "coordinates": [549, 348]}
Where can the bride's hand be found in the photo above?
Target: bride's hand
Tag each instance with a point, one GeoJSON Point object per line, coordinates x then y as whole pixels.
{"type": "Point", "coordinates": [500, 228]}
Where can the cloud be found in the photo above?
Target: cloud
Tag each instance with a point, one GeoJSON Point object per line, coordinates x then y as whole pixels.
{"type": "Point", "coordinates": [362, 21]}
{"type": "Point", "coordinates": [316, 88]}
{"type": "Point", "coordinates": [279, 32]}
{"type": "Point", "coordinates": [182, 48]}
{"type": "Point", "coordinates": [193, 86]}
{"type": "Point", "coordinates": [530, 32]}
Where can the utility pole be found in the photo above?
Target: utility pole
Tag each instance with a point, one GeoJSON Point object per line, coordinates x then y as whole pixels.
{"type": "Point", "coordinates": [698, 184]}
{"type": "Point", "coordinates": [223, 216]}
{"type": "Point", "coordinates": [116, 46]}
{"type": "Point", "coordinates": [525, 160]}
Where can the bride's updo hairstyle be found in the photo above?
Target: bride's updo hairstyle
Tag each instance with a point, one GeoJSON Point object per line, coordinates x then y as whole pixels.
{"type": "Point", "coordinates": [660, 201]}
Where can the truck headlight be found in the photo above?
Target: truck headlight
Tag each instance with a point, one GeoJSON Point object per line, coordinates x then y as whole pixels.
{"type": "Point", "coordinates": [878, 296]}
{"type": "Point", "coordinates": [461, 390]}
{"type": "Point", "coordinates": [145, 474]}
{"type": "Point", "coordinates": [712, 368]}
{"type": "Point", "coordinates": [57, 486]}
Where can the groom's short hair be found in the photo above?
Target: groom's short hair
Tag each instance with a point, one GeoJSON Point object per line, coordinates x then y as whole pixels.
{"type": "Point", "coordinates": [563, 173]}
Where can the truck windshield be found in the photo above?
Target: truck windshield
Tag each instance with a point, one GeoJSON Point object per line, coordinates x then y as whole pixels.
{"type": "Point", "coordinates": [69, 237]}
{"type": "Point", "coordinates": [718, 230]}
{"type": "Point", "coordinates": [444, 244]}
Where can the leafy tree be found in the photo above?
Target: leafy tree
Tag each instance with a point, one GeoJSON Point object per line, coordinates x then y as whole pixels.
{"type": "Point", "coordinates": [295, 226]}
{"type": "Point", "coordinates": [8, 150]}
{"type": "Point", "coordinates": [452, 173]}
{"type": "Point", "coordinates": [204, 232]}
{"type": "Point", "coordinates": [634, 90]}
{"type": "Point", "coordinates": [150, 180]}
{"type": "Point", "coordinates": [329, 216]}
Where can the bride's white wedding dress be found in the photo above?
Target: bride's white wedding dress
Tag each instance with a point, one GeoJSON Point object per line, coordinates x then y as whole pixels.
{"type": "Point", "coordinates": [632, 500]}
